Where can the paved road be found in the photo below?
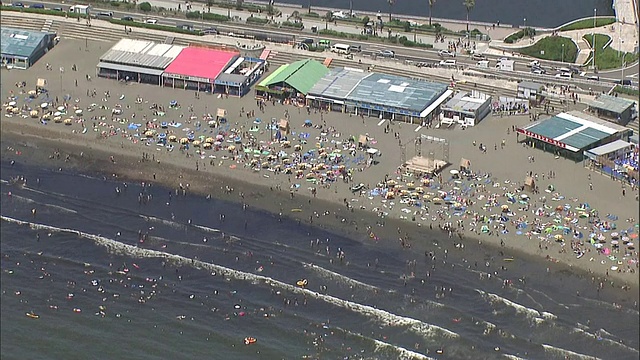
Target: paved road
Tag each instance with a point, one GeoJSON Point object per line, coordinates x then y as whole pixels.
{"type": "Point", "coordinates": [403, 54]}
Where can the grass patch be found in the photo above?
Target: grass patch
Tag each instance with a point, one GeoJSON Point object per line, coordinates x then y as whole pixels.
{"type": "Point", "coordinates": [608, 58]}
{"type": "Point", "coordinates": [257, 20]}
{"type": "Point", "coordinates": [197, 15]}
{"type": "Point", "coordinates": [40, 11]}
{"type": "Point", "coordinates": [550, 48]}
{"type": "Point", "coordinates": [626, 90]}
{"type": "Point", "coordinates": [588, 23]}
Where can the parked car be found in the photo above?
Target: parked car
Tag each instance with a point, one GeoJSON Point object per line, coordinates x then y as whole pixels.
{"type": "Point", "coordinates": [478, 57]}
{"type": "Point", "coordinates": [448, 62]}
{"type": "Point", "coordinates": [387, 53]}
{"type": "Point", "coordinates": [625, 82]}
{"type": "Point", "coordinates": [185, 27]}
{"type": "Point", "coordinates": [307, 41]}
{"type": "Point", "coordinates": [444, 53]}
{"type": "Point", "coordinates": [593, 78]}
{"type": "Point", "coordinates": [538, 71]}
{"type": "Point", "coordinates": [356, 48]}
{"type": "Point", "coordinates": [126, 18]}
{"type": "Point", "coordinates": [210, 31]}
{"type": "Point", "coordinates": [18, 4]}
{"type": "Point", "coordinates": [57, 9]}
{"type": "Point", "coordinates": [534, 63]}
{"type": "Point", "coordinates": [151, 21]}
{"type": "Point", "coordinates": [36, 6]}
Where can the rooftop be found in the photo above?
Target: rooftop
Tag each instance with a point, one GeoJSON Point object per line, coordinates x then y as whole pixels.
{"type": "Point", "coordinates": [611, 147]}
{"type": "Point", "coordinates": [21, 43]}
{"type": "Point", "coordinates": [610, 103]}
{"type": "Point", "coordinates": [395, 91]}
{"type": "Point", "coordinates": [466, 102]}
{"type": "Point", "coordinates": [300, 75]}
{"type": "Point", "coordinates": [530, 85]}
{"type": "Point", "coordinates": [338, 83]}
{"type": "Point", "coordinates": [201, 62]}
{"type": "Point", "coordinates": [574, 129]}
{"type": "Point", "coordinates": [142, 53]}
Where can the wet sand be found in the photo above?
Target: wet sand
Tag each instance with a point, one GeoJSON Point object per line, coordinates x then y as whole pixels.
{"type": "Point", "coordinates": [118, 155]}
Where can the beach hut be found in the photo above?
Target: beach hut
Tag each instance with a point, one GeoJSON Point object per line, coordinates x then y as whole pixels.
{"type": "Point", "coordinates": [465, 164]}
{"type": "Point", "coordinates": [363, 141]}
{"type": "Point", "coordinates": [284, 127]}
{"type": "Point", "coordinates": [529, 183]}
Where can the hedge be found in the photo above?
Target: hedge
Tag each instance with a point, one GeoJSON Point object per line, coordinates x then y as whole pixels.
{"type": "Point", "coordinates": [174, 29]}
{"type": "Point", "coordinates": [207, 16]}
{"type": "Point", "coordinates": [519, 35]}
{"type": "Point", "coordinates": [257, 20]}
{"type": "Point", "coordinates": [40, 11]}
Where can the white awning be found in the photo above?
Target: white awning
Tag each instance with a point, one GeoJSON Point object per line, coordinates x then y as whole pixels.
{"type": "Point", "coordinates": [436, 103]}
{"type": "Point", "coordinates": [610, 147]}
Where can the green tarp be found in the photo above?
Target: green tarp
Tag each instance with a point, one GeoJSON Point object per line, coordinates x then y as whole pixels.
{"type": "Point", "coordinates": [300, 75]}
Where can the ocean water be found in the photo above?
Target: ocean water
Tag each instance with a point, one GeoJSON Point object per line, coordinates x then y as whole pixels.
{"type": "Point", "coordinates": [112, 277]}
{"type": "Point", "coordinates": [544, 13]}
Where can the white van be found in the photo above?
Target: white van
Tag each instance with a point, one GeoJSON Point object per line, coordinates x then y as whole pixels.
{"type": "Point", "coordinates": [483, 64]}
{"type": "Point", "coordinates": [565, 75]}
{"type": "Point", "coordinates": [341, 49]}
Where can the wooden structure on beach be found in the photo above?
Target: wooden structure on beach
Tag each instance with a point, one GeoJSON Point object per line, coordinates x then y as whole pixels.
{"type": "Point", "coordinates": [424, 165]}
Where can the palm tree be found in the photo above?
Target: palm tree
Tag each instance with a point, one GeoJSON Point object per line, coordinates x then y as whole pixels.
{"type": "Point", "coordinates": [391, 3]}
{"type": "Point", "coordinates": [431, 3]}
{"type": "Point", "coordinates": [327, 18]}
{"type": "Point", "coordinates": [295, 15]}
{"type": "Point", "coordinates": [469, 4]}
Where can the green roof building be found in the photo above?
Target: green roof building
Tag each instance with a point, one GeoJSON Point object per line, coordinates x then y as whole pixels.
{"type": "Point", "coordinates": [22, 48]}
{"type": "Point", "coordinates": [292, 79]}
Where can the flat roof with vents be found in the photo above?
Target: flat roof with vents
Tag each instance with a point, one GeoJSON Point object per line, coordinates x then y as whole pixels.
{"type": "Point", "coordinates": [142, 53]}
{"type": "Point", "coordinates": [22, 43]}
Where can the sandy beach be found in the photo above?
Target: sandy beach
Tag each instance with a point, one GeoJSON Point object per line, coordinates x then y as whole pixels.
{"type": "Point", "coordinates": [99, 139]}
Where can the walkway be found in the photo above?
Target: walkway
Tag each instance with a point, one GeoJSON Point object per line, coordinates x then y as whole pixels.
{"type": "Point", "coordinates": [626, 11]}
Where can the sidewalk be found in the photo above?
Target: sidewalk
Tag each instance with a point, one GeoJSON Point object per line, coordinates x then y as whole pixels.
{"type": "Point", "coordinates": [626, 11]}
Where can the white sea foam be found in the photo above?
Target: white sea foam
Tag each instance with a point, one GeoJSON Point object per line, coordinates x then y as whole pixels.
{"type": "Point", "coordinates": [386, 318]}
{"type": "Point", "coordinates": [563, 353]}
{"type": "Point", "coordinates": [605, 340]}
{"type": "Point", "coordinates": [31, 201]}
{"type": "Point", "coordinates": [170, 223]}
{"type": "Point", "coordinates": [512, 357]}
{"type": "Point", "coordinates": [403, 354]}
{"type": "Point", "coordinates": [531, 314]}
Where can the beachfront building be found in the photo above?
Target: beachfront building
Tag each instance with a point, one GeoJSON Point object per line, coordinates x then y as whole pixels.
{"type": "Point", "coordinates": [571, 134]}
{"type": "Point", "coordinates": [22, 48]}
{"type": "Point", "coordinates": [292, 81]}
{"type": "Point", "coordinates": [531, 91]}
{"type": "Point", "coordinates": [213, 70]}
{"type": "Point", "coordinates": [618, 158]}
{"type": "Point", "coordinates": [137, 60]}
{"type": "Point", "coordinates": [379, 95]}
{"type": "Point", "coordinates": [465, 109]}
{"type": "Point", "coordinates": [616, 109]}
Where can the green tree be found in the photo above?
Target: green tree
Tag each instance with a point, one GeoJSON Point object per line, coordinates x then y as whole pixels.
{"type": "Point", "coordinates": [145, 6]}
{"type": "Point", "coordinates": [328, 17]}
{"type": "Point", "coordinates": [431, 3]}
{"type": "Point", "coordinates": [469, 5]}
{"type": "Point", "coordinates": [295, 15]}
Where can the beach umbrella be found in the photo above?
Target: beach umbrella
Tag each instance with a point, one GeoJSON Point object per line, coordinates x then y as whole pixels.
{"type": "Point", "coordinates": [484, 229]}
{"type": "Point", "coordinates": [68, 121]}
{"type": "Point", "coordinates": [12, 103]}
{"type": "Point", "coordinates": [33, 113]}
{"type": "Point", "coordinates": [148, 133]}
{"type": "Point", "coordinates": [15, 110]}
{"type": "Point", "coordinates": [57, 119]}
{"type": "Point", "coordinates": [220, 137]}
{"type": "Point", "coordinates": [614, 235]}
{"type": "Point", "coordinates": [206, 145]}
{"type": "Point", "coordinates": [210, 140]}
{"type": "Point", "coordinates": [162, 136]}
{"type": "Point", "coordinates": [44, 105]}
{"type": "Point", "coordinates": [61, 108]}
{"type": "Point", "coordinates": [31, 93]}
{"type": "Point", "coordinates": [231, 147]}
{"type": "Point", "coordinates": [196, 143]}
{"type": "Point", "coordinates": [184, 140]}
{"type": "Point", "coordinates": [191, 137]}
{"type": "Point", "coordinates": [79, 112]}
{"type": "Point", "coordinates": [173, 138]}
{"type": "Point", "coordinates": [9, 109]}
{"type": "Point", "coordinates": [558, 238]}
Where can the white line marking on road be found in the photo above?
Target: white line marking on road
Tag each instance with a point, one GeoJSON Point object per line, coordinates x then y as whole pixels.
{"type": "Point", "coordinates": [381, 122]}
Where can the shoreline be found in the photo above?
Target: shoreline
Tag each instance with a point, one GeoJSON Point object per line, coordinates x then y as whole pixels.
{"type": "Point", "coordinates": [352, 224]}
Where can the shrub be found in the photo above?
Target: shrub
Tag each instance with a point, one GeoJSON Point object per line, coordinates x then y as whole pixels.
{"type": "Point", "coordinates": [257, 20]}
{"type": "Point", "coordinates": [206, 16]}
{"type": "Point", "coordinates": [295, 25]}
{"type": "Point", "coordinates": [155, 27]}
{"type": "Point", "coordinates": [145, 6]}
{"type": "Point", "coordinates": [519, 35]}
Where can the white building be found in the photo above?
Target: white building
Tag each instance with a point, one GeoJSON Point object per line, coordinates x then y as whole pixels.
{"type": "Point", "coordinates": [466, 109]}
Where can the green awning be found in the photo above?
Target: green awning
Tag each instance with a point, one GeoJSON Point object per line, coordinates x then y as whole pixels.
{"type": "Point", "coordinates": [300, 75]}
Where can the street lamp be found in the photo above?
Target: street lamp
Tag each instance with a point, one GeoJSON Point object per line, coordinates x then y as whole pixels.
{"type": "Point", "coordinates": [562, 53]}
{"type": "Point", "coordinates": [595, 11]}
{"type": "Point", "coordinates": [525, 23]}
